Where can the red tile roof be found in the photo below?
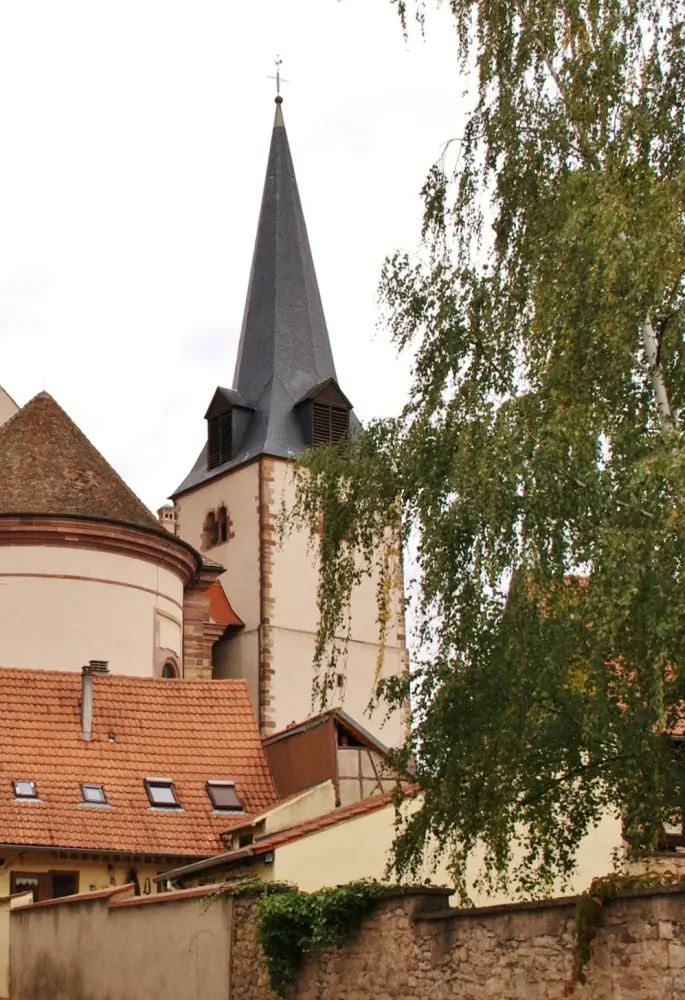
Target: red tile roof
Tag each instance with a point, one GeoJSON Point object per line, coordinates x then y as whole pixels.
{"type": "Point", "coordinates": [219, 606]}
{"type": "Point", "coordinates": [48, 466]}
{"type": "Point", "coordinates": [188, 731]}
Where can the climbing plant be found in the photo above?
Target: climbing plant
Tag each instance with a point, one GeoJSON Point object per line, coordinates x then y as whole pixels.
{"type": "Point", "coordinates": [536, 475]}
{"type": "Point", "coordinates": [589, 910]}
{"type": "Point", "coordinates": [292, 922]}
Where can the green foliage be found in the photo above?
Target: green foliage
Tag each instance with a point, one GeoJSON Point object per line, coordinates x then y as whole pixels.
{"type": "Point", "coordinates": [291, 923]}
{"type": "Point", "coordinates": [532, 478]}
{"type": "Point", "coordinates": [589, 910]}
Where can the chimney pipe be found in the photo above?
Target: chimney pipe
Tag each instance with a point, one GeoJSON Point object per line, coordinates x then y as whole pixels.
{"type": "Point", "coordinates": [94, 667]}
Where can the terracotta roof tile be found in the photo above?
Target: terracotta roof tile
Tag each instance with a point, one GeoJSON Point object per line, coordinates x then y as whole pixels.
{"type": "Point", "coordinates": [189, 731]}
{"type": "Point", "coordinates": [48, 466]}
{"type": "Point", "coordinates": [220, 608]}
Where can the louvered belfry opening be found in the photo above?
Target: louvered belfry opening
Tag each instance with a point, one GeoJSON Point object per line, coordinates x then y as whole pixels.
{"type": "Point", "coordinates": [220, 431]}
{"type": "Point", "coordinates": [329, 423]}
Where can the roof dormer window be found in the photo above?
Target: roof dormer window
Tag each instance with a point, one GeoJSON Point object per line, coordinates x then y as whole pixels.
{"type": "Point", "coordinates": [329, 423]}
{"type": "Point", "coordinates": [224, 797]}
{"type": "Point", "coordinates": [219, 439]}
{"type": "Point", "coordinates": [24, 789]}
{"type": "Point", "coordinates": [161, 793]}
{"type": "Point", "coordinates": [94, 795]}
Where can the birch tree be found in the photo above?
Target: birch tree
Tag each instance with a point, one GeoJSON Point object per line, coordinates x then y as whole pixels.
{"type": "Point", "coordinates": [537, 472]}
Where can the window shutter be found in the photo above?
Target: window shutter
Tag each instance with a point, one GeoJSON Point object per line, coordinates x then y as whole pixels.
{"type": "Point", "coordinates": [220, 439]}
{"type": "Point", "coordinates": [329, 424]}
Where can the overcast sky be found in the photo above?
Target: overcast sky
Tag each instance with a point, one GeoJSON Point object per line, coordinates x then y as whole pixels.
{"type": "Point", "coordinates": [133, 144]}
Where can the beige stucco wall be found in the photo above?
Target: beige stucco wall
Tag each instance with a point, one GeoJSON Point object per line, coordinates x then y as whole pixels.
{"type": "Point", "coordinates": [7, 409]}
{"type": "Point", "coordinates": [6, 905]}
{"type": "Point", "coordinates": [239, 493]}
{"type": "Point", "coordinates": [310, 804]}
{"type": "Point", "coordinates": [290, 578]}
{"type": "Point", "coordinates": [293, 677]}
{"type": "Point", "coordinates": [94, 875]}
{"type": "Point", "coordinates": [4, 947]}
{"type": "Point", "coordinates": [62, 607]}
{"type": "Point", "coordinates": [359, 849]}
{"type": "Point", "coordinates": [294, 621]}
{"type": "Point", "coordinates": [166, 949]}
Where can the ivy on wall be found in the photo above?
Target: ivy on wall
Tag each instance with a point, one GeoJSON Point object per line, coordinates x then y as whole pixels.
{"type": "Point", "coordinates": [589, 912]}
{"type": "Point", "coordinates": [291, 922]}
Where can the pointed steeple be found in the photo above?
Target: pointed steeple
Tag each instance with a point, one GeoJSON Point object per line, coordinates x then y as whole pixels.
{"type": "Point", "coordinates": [284, 353]}
{"type": "Point", "coordinates": [284, 335]}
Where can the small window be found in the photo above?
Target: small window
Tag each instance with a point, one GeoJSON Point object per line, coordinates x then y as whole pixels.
{"type": "Point", "coordinates": [160, 792]}
{"type": "Point", "coordinates": [223, 796]}
{"type": "Point", "coordinates": [169, 671]}
{"type": "Point", "coordinates": [94, 794]}
{"type": "Point", "coordinates": [24, 789]}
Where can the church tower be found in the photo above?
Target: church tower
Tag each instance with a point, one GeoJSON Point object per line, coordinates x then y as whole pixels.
{"type": "Point", "coordinates": [285, 397]}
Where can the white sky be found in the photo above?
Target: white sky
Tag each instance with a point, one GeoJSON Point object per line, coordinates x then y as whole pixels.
{"type": "Point", "coordinates": [133, 144]}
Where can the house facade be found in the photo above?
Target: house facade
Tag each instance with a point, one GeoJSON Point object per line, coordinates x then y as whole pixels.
{"type": "Point", "coordinates": [107, 779]}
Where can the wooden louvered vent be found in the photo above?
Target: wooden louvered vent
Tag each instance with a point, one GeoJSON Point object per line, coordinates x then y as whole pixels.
{"type": "Point", "coordinates": [220, 442]}
{"type": "Point", "coordinates": [329, 424]}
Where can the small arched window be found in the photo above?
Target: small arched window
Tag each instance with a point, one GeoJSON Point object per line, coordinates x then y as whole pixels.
{"type": "Point", "coordinates": [169, 671]}
{"type": "Point", "coordinates": [210, 534]}
{"type": "Point", "coordinates": [222, 525]}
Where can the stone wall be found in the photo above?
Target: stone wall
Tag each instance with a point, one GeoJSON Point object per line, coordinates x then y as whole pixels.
{"type": "Point", "coordinates": [113, 946]}
{"type": "Point", "coordinates": [407, 951]}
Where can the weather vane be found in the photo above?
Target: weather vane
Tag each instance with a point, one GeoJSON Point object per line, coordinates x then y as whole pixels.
{"type": "Point", "coordinates": [278, 78]}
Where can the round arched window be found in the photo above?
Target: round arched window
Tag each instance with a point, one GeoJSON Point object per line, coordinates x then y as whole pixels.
{"type": "Point", "coordinates": [168, 670]}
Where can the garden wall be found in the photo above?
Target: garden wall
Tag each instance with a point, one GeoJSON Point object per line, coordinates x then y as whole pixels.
{"type": "Point", "coordinates": [413, 947]}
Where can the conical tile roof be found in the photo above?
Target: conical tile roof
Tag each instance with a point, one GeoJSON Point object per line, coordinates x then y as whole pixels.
{"type": "Point", "coordinates": [48, 466]}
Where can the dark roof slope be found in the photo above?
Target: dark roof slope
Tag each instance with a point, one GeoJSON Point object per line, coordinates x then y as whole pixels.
{"type": "Point", "coordinates": [188, 731]}
{"type": "Point", "coordinates": [48, 466]}
{"type": "Point", "coordinates": [284, 346]}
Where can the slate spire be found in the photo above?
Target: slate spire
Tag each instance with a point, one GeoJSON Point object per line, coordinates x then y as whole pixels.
{"type": "Point", "coordinates": [284, 335]}
{"type": "Point", "coordinates": [284, 352]}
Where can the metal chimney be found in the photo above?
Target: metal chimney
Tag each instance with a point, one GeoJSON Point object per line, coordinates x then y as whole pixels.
{"type": "Point", "coordinates": [94, 667]}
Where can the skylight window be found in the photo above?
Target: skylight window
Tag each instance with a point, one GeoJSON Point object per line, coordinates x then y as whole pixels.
{"type": "Point", "coordinates": [224, 796]}
{"type": "Point", "coordinates": [161, 793]}
{"type": "Point", "coordinates": [25, 789]}
{"type": "Point", "coordinates": [94, 795]}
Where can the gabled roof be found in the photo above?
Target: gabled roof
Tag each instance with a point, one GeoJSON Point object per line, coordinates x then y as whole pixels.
{"type": "Point", "coordinates": [226, 396]}
{"type": "Point", "coordinates": [284, 349]}
{"type": "Point", "coordinates": [316, 389]}
{"type": "Point", "coordinates": [220, 608]}
{"type": "Point", "coordinates": [184, 730]}
{"type": "Point", "coordinates": [48, 466]}
{"type": "Point", "coordinates": [270, 843]}
{"type": "Point", "coordinates": [342, 719]}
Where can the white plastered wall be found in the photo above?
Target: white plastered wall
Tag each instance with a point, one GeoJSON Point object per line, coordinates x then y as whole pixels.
{"type": "Point", "coordinates": [294, 620]}
{"type": "Point", "coordinates": [239, 492]}
{"type": "Point", "coordinates": [61, 607]}
{"type": "Point", "coordinates": [360, 848]}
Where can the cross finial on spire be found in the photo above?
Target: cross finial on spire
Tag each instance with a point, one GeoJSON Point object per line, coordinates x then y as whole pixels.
{"type": "Point", "coordinates": [279, 79]}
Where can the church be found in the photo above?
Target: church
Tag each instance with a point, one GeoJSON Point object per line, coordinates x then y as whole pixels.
{"type": "Point", "coordinates": [156, 672]}
{"type": "Point", "coordinates": [204, 590]}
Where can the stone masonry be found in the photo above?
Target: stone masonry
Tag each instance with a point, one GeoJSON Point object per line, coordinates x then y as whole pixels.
{"type": "Point", "coordinates": [414, 948]}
